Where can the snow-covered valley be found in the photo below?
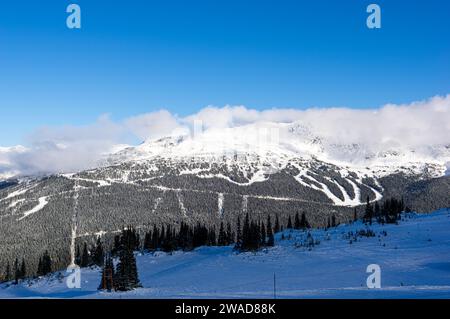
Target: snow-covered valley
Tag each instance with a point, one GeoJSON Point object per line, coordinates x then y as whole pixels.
{"type": "Point", "coordinates": [414, 257]}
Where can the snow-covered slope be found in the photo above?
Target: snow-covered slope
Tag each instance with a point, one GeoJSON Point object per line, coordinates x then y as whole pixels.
{"type": "Point", "coordinates": [414, 259]}
{"type": "Point", "coordinates": [254, 153]}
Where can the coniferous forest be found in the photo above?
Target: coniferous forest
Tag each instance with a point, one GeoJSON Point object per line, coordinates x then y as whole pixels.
{"type": "Point", "coordinates": [118, 263]}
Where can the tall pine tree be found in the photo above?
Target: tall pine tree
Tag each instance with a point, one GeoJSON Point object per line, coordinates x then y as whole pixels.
{"type": "Point", "coordinates": [369, 212]}
{"type": "Point", "coordinates": [85, 260]}
{"type": "Point", "coordinates": [297, 222]}
{"type": "Point", "coordinates": [289, 224]}
{"type": "Point", "coordinates": [238, 234]}
{"type": "Point", "coordinates": [126, 276]}
{"type": "Point", "coordinates": [304, 224]}
{"type": "Point", "coordinates": [23, 269]}
{"type": "Point", "coordinates": [8, 275]}
{"type": "Point", "coordinates": [263, 234]}
{"type": "Point", "coordinates": [108, 275]}
{"type": "Point", "coordinates": [276, 228]}
{"type": "Point", "coordinates": [270, 237]}
{"type": "Point", "coordinates": [99, 255]}
{"type": "Point", "coordinates": [222, 241]}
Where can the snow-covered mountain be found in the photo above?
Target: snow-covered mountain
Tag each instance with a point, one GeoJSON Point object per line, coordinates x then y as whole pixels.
{"type": "Point", "coordinates": [280, 143]}
{"type": "Point", "coordinates": [217, 175]}
{"type": "Point", "coordinates": [270, 143]}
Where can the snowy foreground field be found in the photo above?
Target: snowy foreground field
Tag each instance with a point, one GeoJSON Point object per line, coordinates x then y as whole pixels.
{"type": "Point", "coordinates": [414, 258]}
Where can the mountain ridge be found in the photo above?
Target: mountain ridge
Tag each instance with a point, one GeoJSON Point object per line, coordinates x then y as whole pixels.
{"type": "Point", "coordinates": [213, 177]}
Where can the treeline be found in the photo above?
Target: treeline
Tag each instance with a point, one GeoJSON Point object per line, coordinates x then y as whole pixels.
{"type": "Point", "coordinates": [19, 271]}
{"type": "Point", "coordinates": [92, 256]}
{"type": "Point", "coordinates": [252, 235]}
{"type": "Point", "coordinates": [255, 235]}
{"type": "Point", "coordinates": [388, 212]}
{"type": "Point", "coordinates": [186, 238]}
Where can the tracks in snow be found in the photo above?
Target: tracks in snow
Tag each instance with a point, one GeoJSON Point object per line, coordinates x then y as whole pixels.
{"type": "Point", "coordinates": [42, 203]}
{"type": "Point", "coordinates": [322, 187]}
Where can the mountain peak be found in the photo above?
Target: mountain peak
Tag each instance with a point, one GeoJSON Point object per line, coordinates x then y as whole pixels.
{"type": "Point", "coordinates": [280, 142]}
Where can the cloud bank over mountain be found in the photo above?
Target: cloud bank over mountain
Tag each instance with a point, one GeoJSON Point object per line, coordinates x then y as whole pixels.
{"type": "Point", "coordinates": [71, 148]}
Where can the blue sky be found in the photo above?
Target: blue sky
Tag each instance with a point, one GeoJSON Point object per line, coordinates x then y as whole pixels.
{"type": "Point", "coordinates": [133, 57]}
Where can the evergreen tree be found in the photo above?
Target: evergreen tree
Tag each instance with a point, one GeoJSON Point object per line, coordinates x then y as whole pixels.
{"type": "Point", "coordinates": [211, 236]}
{"type": "Point", "coordinates": [137, 240]}
{"type": "Point", "coordinates": [78, 256]}
{"type": "Point", "coordinates": [155, 239]}
{"type": "Point", "coordinates": [270, 237]}
{"type": "Point", "coordinates": [185, 237]}
{"type": "Point", "coordinates": [116, 247]}
{"type": "Point", "coordinates": [289, 224]}
{"type": "Point", "coordinates": [108, 275]}
{"type": "Point", "coordinates": [377, 210]}
{"type": "Point", "coordinates": [222, 236]}
{"type": "Point", "coordinates": [169, 244]}
{"type": "Point", "coordinates": [257, 243]}
{"type": "Point", "coordinates": [8, 275]}
{"type": "Point", "coordinates": [276, 228]}
{"type": "Point", "coordinates": [246, 233]}
{"type": "Point", "coordinates": [40, 271]}
{"type": "Point", "coordinates": [46, 264]}
{"type": "Point", "coordinates": [16, 272]}
{"type": "Point", "coordinates": [255, 236]}
{"type": "Point", "coordinates": [23, 269]}
{"type": "Point", "coordinates": [162, 236]}
{"type": "Point", "coordinates": [182, 236]}
{"type": "Point", "coordinates": [230, 235]}
{"type": "Point", "coordinates": [369, 212]}
{"type": "Point", "coordinates": [238, 234]}
{"type": "Point", "coordinates": [98, 257]}
{"type": "Point", "coordinates": [190, 238]}
{"type": "Point", "coordinates": [392, 209]}
{"type": "Point", "coordinates": [304, 224]}
{"type": "Point", "coordinates": [202, 236]}
{"type": "Point", "coordinates": [297, 222]}
{"type": "Point", "coordinates": [252, 236]}
{"type": "Point", "coordinates": [263, 234]}
{"type": "Point", "coordinates": [333, 221]}
{"type": "Point", "coordinates": [126, 276]}
{"type": "Point", "coordinates": [148, 241]}
{"type": "Point", "coordinates": [85, 257]}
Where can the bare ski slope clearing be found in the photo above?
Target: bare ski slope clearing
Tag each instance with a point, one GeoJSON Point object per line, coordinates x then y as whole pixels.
{"type": "Point", "coordinates": [414, 258]}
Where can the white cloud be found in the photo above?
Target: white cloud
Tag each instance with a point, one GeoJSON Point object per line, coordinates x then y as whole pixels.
{"type": "Point", "coordinates": [419, 123]}
{"type": "Point", "coordinates": [152, 125]}
{"type": "Point", "coordinates": [71, 148]}
{"type": "Point", "coordinates": [62, 149]}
